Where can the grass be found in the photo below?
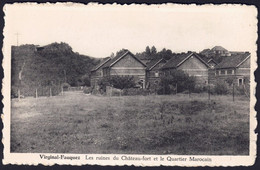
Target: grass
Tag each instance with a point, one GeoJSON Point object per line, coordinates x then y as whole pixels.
{"type": "Point", "coordinates": [78, 123]}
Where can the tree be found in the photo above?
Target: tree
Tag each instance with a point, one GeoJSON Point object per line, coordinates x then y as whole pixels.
{"type": "Point", "coordinates": [166, 54]}
{"type": "Point", "coordinates": [179, 78]}
{"type": "Point", "coordinates": [121, 52]}
{"type": "Point", "coordinates": [147, 50]}
{"type": "Point", "coordinates": [153, 50]}
{"type": "Point", "coordinates": [112, 55]}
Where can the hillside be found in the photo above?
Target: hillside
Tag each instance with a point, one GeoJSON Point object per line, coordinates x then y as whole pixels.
{"type": "Point", "coordinates": [49, 66]}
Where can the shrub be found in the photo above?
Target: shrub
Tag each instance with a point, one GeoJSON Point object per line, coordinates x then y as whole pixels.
{"type": "Point", "coordinates": [65, 86]}
{"type": "Point", "coordinates": [230, 80]}
{"type": "Point", "coordinates": [179, 77]}
{"type": "Point", "coordinates": [87, 90]}
{"type": "Point", "coordinates": [200, 88]}
{"type": "Point", "coordinates": [220, 88]}
{"type": "Point", "coordinates": [242, 90]}
{"type": "Point", "coordinates": [118, 82]}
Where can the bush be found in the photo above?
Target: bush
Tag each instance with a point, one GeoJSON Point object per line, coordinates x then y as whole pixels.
{"type": "Point", "coordinates": [242, 90]}
{"type": "Point", "coordinates": [118, 82]}
{"type": "Point", "coordinates": [230, 80]}
{"type": "Point", "coordinates": [220, 88]}
{"type": "Point", "coordinates": [200, 88]}
{"type": "Point", "coordinates": [87, 90]}
{"type": "Point", "coordinates": [65, 86]}
{"type": "Point", "coordinates": [179, 77]}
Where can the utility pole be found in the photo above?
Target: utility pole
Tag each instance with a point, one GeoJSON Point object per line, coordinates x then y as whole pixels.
{"type": "Point", "coordinates": [208, 91]}
{"type": "Point", "coordinates": [233, 92]}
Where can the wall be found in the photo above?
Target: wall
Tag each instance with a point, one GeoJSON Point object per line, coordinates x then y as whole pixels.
{"type": "Point", "coordinates": [128, 65]}
{"type": "Point", "coordinates": [194, 67]}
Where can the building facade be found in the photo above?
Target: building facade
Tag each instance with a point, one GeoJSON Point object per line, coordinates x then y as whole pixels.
{"type": "Point", "coordinates": [235, 68]}
{"type": "Point", "coordinates": [97, 72]}
{"type": "Point", "coordinates": [125, 64]}
{"type": "Point", "coordinates": [154, 72]}
{"type": "Point", "coordinates": [190, 63]}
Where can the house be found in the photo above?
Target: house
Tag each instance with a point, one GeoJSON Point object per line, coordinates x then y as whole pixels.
{"type": "Point", "coordinates": [215, 52]}
{"type": "Point", "coordinates": [126, 64]}
{"type": "Point", "coordinates": [236, 67]}
{"type": "Point", "coordinates": [97, 72]}
{"type": "Point", "coordinates": [191, 63]}
{"type": "Point", "coordinates": [154, 72]}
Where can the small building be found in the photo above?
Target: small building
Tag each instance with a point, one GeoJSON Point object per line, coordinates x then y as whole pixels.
{"type": "Point", "coordinates": [191, 63]}
{"type": "Point", "coordinates": [215, 51]}
{"type": "Point", "coordinates": [126, 64]}
{"type": "Point", "coordinates": [97, 72]}
{"type": "Point", "coordinates": [235, 67]}
{"type": "Point", "coordinates": [154, 72]}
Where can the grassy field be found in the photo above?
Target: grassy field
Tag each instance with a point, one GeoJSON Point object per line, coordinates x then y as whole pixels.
{"type": "Point", "coordinates": [79, 123]}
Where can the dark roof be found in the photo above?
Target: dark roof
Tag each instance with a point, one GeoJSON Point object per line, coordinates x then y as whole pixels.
{"type": "Point", "coordinates": [233, 61]}
{"type": "Point", "coordinates": [178, 59]}
{"type": "Point", "coordinates": [102, 63]}
{"type": "Point", "coordinates": [206, 59]}
{"type": "Point", "coordinates": [153, 63]}
{"type": "Point", "coordinates": [211, 59]}
{"type": "Point", "coordinates": [119, 57]}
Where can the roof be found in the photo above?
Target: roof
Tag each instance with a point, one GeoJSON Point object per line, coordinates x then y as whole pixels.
{"type": "Point", "coordinates": [104, 61]}
{"type": "Point", "coordinates": [218, 48]}
{"type": "Point", "coordinates": [119, 57]}
{"type": "Point", "coordinates": [153, 63]}
{"type": "Point", "coordinates": [233, 61]}
{"type": "Point", "coordinates": [178, 59]}
{"type": "Point", "coordinates": [211, 59]}
{"type": "Point", "coordinates": [206, 59]}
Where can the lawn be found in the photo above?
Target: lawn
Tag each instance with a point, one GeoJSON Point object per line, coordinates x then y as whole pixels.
{"type": "Point", "coordinates": [174, 124]}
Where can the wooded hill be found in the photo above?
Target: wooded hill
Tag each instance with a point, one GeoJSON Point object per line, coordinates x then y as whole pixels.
{"type": "Point", "coordinates": [35, 67]}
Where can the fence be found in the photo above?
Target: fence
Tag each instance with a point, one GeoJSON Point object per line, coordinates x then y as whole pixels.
{"type": "Point", "coordinates": [211, 90]}
{"type": "Point", "coordinates": [26, 91]}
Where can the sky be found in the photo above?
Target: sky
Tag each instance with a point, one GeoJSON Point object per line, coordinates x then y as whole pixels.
{"type": "Point", "coordinates": [99, 30]}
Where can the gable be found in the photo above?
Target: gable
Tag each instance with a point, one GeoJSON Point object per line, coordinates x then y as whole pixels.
{"type": "Point", "coordinates": [159, 65]}
{"type": "Point", "coordinates": [193, 63]}
{"type": "Point", "coordinates": [128, 61]}
{"type": "Point", "coordinates": [245, 64]}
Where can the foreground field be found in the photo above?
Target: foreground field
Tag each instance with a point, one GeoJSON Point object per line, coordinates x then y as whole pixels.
{"type": "Point", "coordinates": [78, 123]}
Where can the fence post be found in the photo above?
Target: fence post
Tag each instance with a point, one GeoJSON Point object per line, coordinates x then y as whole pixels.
{"type": "Point", "coordinates": [19, 94]}
{"type": "Point", "coordinates": [209, 91]}
{"type": "Point", "coordinates": [50, 92]}
{"type": "Point", "coordinates": [176, 88]}
{"type": "Point", "coordinates": [233, 92]}
{"type": "Point", "coordinates": [62, 90]}
{"type": "Point", "coordinates": [163, 88]}
{"type": "Point", "coordinates": [36, 94]}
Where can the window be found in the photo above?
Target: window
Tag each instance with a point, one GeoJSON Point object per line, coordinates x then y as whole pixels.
{"type": "Point", "coordinates": [222, 72]}
{"type": "Point", "coordinates": [229, 71]}
{"type": "Point", "coordinates": [156, 74]}
{"type": "Point", "coordinates": [240, 81]}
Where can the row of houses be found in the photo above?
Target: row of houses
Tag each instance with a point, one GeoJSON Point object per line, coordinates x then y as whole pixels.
{"type": "Point", "coordinates": [148, 73]}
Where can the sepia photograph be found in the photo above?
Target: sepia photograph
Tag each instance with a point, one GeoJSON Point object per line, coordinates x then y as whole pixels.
{"type": "Point", "coordinates": [129, 84]}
